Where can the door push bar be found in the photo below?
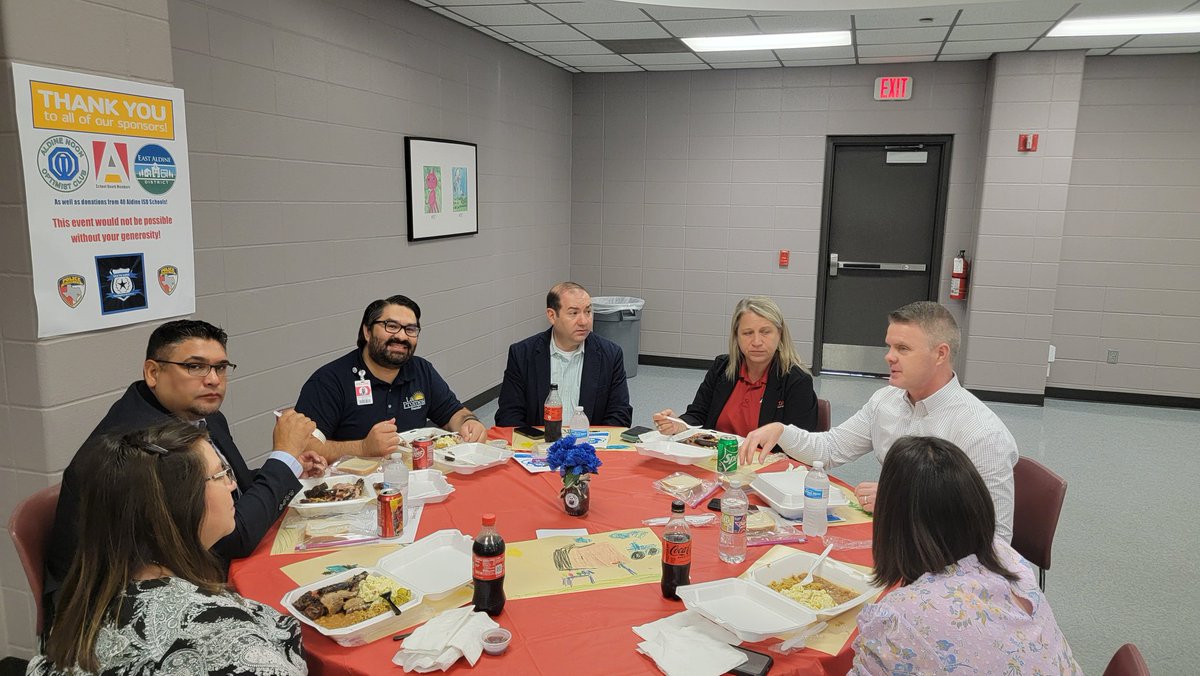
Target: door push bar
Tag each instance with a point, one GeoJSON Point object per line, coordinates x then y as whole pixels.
{"type": "Point", "coordinates": [835, 265]}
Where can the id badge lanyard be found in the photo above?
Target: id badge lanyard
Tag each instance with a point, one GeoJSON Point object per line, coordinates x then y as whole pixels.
{"type": "Point", "coordinates": [362, 387]}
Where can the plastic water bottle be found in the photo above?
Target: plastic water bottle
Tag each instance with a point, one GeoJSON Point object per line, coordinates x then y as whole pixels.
{"type": "Point", "coordinates": [579, 425]}
{"type": "Point", "coordinates": [816, 500]}
{"type": "Point", "coordinates": [732, 548]}
{"type": "Point", "coordinates": [395, 474]}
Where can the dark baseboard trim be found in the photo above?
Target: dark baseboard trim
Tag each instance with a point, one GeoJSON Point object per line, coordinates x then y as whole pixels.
{"type": "Point", "coordinates": [482, 398]}
{"type": "Point", "coordinates": [1009, 397]}
{"type": "Point", "coordinates": [676, 362]}
{"type": "Point", "coordinates": [1131, 398]}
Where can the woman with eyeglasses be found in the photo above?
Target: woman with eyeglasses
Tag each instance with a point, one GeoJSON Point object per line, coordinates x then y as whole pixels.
{"type": "Point", "coordinates": [967, 601]}
{"type": "Point", "coordinates": [144, 594]}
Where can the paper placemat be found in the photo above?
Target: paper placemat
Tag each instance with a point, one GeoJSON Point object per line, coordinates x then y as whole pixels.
{"type": "Point", "coordinates": [833, 639]}
{"type": "Point", "coordinates": [566, 564]}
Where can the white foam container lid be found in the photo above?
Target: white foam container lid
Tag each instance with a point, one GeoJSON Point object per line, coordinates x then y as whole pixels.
{"type": "Point", "coordinates": [419, 432]}
{"type": "Point", "coordinates": [428, 486]}
{"type": "Point", "coordinates": [331, 508]}
{"type": "Point", "coordinates": [749, 610]}
{"type": "Point", "coordinates": [437, 564]}
{"type": "Point", "coordinates": [471, 457]}
{"type": "Point", "coordinates": [364, 632]}
{"type": "Point", "coordinates": [836, 572]}
{"type": "Point", "coordinates": [784, 492]}
{"type": "Point", "coordinates": [683, 454]}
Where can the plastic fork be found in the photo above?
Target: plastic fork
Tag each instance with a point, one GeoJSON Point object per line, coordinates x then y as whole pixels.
{"type": "Point", "coordinates": [808, 578]}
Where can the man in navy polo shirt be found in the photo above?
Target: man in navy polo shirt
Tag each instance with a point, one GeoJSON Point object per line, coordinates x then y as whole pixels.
{"type": "Point", "coordinates": [359, 401]}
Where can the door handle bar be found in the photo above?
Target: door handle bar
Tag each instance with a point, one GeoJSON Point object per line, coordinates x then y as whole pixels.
{"type": "Point", "coordinates": [835, 264]}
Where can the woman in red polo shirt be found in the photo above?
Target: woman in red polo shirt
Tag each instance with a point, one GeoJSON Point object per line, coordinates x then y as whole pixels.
{"type": "Point", "coordinates": [761, 380]}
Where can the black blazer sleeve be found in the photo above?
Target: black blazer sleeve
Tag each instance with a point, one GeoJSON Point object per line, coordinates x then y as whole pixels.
{"type": "Point", "coordinates": [711, 396]}
{"type": "Point", "coordinates": [795, 390]}
{"type": "Point", "coordinates": [618, 412]}
{"type": "Point", "coordinates": [513, 409]}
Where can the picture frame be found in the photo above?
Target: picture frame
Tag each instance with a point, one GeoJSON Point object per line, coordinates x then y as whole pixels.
{"type": "Point", "coordinates": [442, 187]}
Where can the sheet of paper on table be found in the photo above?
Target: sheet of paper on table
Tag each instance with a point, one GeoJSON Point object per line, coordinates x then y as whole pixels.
{"type": "Point", "coordinates": [568, 564]}
{"type": "Point", "coordinates": [543, 533]}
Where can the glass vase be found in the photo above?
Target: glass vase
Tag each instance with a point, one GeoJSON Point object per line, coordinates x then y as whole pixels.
{"type": "Point", "coordinates": [577, 498]}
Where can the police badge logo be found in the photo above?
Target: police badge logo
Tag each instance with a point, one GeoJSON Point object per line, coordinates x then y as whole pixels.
{"type": "Point", "coordinates": [71, 289]}
{"type": "Point", "coordinates": [168, 278]}
{"type": "Point", "coordinates": [123, 283]}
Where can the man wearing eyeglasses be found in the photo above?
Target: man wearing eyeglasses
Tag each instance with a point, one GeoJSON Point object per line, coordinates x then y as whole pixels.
{"type": "Point", "coordinates": [184, 376]}
{"type": "Point", "coordinates": [360, 400]}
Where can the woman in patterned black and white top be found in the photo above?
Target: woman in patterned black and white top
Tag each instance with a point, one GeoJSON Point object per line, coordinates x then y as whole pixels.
{"type": "Point", "coordinates": [144, 594]}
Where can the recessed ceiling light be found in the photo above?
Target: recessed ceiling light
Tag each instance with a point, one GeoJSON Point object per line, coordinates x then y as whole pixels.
{"type": "Point", "coordinates": [926, 19]}
{"type": "Point", "coordinates": [1146, 24]}
{"type": "Point", "coordinates": [737, 43]}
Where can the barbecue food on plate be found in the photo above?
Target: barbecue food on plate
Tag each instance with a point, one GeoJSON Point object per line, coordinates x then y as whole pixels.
{"type": "Point", "coordinates": [351, 601]}
{"type": "Point", "coordinates": [703, 440]}
{"type": "Point", "coordinates": [447, 440]}
{"type": "Point", "coordinates": [339, 492]}
{"type": "Point", "coordinates": [818, 594]}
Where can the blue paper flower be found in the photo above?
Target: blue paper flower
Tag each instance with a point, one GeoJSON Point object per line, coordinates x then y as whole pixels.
{"type": "Point", "coordinates": [572, 460]}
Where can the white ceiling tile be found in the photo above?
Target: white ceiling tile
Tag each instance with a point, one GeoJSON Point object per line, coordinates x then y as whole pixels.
{"type": "Point", "coordinates": [914, 49]}
{"type": "Point", "coordinates": [1005, 12]}
{"type": "Point", "coordinates": [963, 57]}
{"type": "Point", "coordinates": [593, 12]}
{"type": "Point", "coordinates": [820, 62]}
{"type": "Point", "coordinates": [905, 18]}
{"type": "Point", "coordinates": [609, 69]}
{"type": "Point", "coordinates": [749, 64]}
{"type": "Point", "coordinates": [1103, 51]}
{"type": "Point", "coordinates": [711, 27]}
{"type": "Point", "coordinates": [1186, 40]}
{"type": "Point", "coordinates": [985, 46]}
{"type": "Point", "coordinates": [738, 57]}
{"type": "Point", "coordinates": [541, 33]}
{"type": "Point", "coordinates": [582, 60]}
{"type": "Point", "coordinates": [506, 15]}
{"type": "Point", "coordinates": [1001, 31]}
{"type": "Point", "coordinates": [675, 66]}
{"type": "Point", "coordinates": [894, 59]}
{"type": "Point", "coordinates": [449, 14]}
{"type": "Point", "coordinates": [676, 13]}
{"type": "Point", "coordinates": [845, 52]}
{"type": "Point", "coordinates": [525, 48]}
{"type": "Point", "coordinates": [1093, 42]}
{"type": "Point", "coordinates": [572, 47]}
{"type": "Point", "coordinates": [806, 22]}
{"type": "Point", "coordinates": [1092, 8]}
{"type": "Point", "coordinates": [459, 3]}
{"type": "Point", "coordinates": [1126, 51]}
{"type": "Point", "coordinates": [664, 59]}
{"type": "Point", "coordinates": [889, 36]}
{"type": "Point", "coordinates": [622, 31]}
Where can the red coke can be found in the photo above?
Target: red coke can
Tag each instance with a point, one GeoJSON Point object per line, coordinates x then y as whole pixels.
{"type": "Point", "coordinates": [422, 454]}
{"type": "Point", "coordinates": [391, 513]}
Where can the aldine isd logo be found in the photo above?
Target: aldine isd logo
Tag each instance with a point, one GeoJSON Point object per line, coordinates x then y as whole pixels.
{"type": "Point", "coordinates": [122, 283]}
{"type": "Point", "coordinates": [154, 168]}
{"type": "Point", "coordinates": [71, 289]}
{"type": "Point", "coordinates": [415, 402]}
{"type": "Point", "coordinates": [168, 279]}
{"type": "Point", "coordinates": [62, 163]}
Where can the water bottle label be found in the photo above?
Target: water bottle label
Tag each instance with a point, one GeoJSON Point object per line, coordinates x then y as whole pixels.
{"type": "Point", "coordinates": [733, 524]}
{"type": "Point", "coordinates": [579, 434]}
{"type": "Point", "coordinates": [487, 567]}
{"type": "Point", "coordinates": [813, 493]}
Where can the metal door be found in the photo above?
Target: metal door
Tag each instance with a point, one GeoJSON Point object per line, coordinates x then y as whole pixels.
{"type": "Point", "coordinates": [881, 240]}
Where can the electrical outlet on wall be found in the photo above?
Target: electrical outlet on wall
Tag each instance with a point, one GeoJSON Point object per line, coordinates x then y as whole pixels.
{"type": "Point", "coordinates": [1112, 356]}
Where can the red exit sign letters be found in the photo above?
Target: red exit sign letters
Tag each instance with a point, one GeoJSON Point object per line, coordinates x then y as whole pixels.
{"type": "Point", "coordinates": [897, 88]}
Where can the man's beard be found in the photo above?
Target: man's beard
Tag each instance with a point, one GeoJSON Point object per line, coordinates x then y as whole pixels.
{"type": "Point", "coordinates": [379, 354]}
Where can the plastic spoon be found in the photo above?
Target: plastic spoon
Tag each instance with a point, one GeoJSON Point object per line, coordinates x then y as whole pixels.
{"type": "Point", "coordinates": [808, 578]}
{"type": "Point", "coordinates": [800, 640]}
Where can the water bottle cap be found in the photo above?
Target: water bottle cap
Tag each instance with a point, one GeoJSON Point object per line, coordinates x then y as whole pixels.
{"type": "Point", "coordinates": [818, 465]}
{"type": "Point", "coordinates": [396, 456]}
{"type": "Point", "coordinates": [554, 386]}
{"type": "Point", "coordinates": [489, 519]}
{"type": "Point", "coordinates": [579, 409]}
{"type": "Point", "coordinates": [677, 507]}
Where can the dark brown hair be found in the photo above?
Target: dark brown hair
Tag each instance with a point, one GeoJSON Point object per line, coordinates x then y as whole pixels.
{"type": "Point", "coordinates": [932, 509]}
{"type": "Point", "coordinates": [375, 310]}
{"type": "Point", "coordinates": [172, 333]}
{"type": "Point", "coordinates": [554, 297]}
{"type": "Point", "coordinates": [141, 504]}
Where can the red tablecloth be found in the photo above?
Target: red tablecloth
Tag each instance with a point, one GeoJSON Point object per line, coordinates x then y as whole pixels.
{"type": "Point", "coordinates": [582, 633]}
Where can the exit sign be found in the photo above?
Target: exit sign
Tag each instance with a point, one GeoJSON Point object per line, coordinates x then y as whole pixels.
{"type": "Point", "coordinates": [893, 88]}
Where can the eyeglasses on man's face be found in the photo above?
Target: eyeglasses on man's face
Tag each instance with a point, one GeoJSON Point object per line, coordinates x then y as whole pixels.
{"type": "Point", "coordinates": [225, 476]}
{"type": "Point", "coordinates": [199, 369]}
{"type": "Point", "coordinates": [411, 330]}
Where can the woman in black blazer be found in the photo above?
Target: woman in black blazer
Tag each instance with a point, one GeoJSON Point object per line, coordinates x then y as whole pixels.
{"type": "Point", "coordinates": [759, 346]}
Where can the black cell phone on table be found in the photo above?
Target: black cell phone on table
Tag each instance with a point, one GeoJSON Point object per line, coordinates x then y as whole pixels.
{"type": "Point", "coordinates": [634, 434]}
{"type": "Point", "coordinates": [530, 432]}
{"type": "Point", "coordinates": [758, 663]}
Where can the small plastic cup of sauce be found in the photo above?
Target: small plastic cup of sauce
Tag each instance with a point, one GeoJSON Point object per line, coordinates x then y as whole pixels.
{"type": "Point", "coordinates": [495, 641]}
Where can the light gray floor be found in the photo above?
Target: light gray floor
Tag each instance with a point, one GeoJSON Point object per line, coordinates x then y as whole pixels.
{"type": "Point", "coordinates": [1124, 556]}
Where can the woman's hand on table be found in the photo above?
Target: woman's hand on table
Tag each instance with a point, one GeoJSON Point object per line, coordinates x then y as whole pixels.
{"type": "Point", "coordinates": [760, 443]}
{"type": "Point", "coordinates": [865, 494]}
{"type": "Point", "coordinates": [666, 426]}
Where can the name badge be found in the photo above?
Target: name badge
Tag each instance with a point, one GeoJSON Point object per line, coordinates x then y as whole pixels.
{"type": "Point", "coordinates": [362, 392]}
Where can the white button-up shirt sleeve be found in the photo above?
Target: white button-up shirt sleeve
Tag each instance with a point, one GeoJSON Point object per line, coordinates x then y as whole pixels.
{"type": "Point", "coordinates": [846, 442]}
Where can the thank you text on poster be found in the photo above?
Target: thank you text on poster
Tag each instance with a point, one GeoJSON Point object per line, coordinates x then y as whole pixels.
{"type": "Point", "coordinates": [108, 199]}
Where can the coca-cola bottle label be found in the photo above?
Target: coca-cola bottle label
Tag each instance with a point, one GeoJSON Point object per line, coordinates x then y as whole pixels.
{"type": "Point", "coordinates": [677, 553]}
{"type": "Point", "coordinates": [552, 413]}
{"type": "Point", "coordinates": [487, 567]}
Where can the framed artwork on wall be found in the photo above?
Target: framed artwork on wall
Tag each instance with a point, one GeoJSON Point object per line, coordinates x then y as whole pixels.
{"type": "Point", "coordinates": [443, 188]}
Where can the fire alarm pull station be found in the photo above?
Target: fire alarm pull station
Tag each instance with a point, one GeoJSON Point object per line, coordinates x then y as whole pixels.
{"type": "Point", "coordinates": [1027, 143]}
{"type": "Point", "coordinates": [784, 257]}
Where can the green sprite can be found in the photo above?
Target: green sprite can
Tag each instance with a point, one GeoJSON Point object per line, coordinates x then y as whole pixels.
{"type": "Point", "coordinates": [727, 455]}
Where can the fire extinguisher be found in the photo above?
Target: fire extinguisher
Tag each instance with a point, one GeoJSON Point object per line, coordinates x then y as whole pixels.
{"type": "Point", "coordinates": [958, 276]}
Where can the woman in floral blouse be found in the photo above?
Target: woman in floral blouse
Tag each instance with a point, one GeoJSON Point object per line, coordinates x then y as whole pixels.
{"type": "Point", "coordinates": [144, 595]}
{"type": "Point", "coordinates": [968, 602]}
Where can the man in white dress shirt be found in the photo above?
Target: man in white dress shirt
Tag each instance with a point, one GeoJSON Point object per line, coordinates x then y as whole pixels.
{"type": "Point", "coordinates": [924, 398]}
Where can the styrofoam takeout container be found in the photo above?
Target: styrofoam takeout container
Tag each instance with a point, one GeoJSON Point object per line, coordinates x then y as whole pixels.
{"type": "Point", "coordinates": [437, 564]}
{"type": "Point", "coordinates": [366, 631]}
{"type": "Point", "coordinates": [836, 572]}
{"type": "Point", "coordinates": [749, 610]}
{"type": "Point", "coordinates": [784, 492]}
{"type": "Point", "coordinates": [682, 454]}
{"type": "Point", "coordinates": [431, 432]}
{"type": "Point", "coordinates": [428, 486]}
{"type": "Point", "coordinates": [330, 508]}
{"type": "Point", "coordinates": [470, 457]}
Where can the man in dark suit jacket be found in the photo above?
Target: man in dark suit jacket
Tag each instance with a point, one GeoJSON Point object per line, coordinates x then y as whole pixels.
{"type": "Point", "coordinates": [184, 377]}
{"type": "Point", "coordinates": [589, 370]}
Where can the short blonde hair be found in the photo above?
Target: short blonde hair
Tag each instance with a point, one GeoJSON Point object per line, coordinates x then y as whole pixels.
{"type": "Point", "coordinates": [932, 318]}
{"type": "Point", "coordinates": [786, 356]}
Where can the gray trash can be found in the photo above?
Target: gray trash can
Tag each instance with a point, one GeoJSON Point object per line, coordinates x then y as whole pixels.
{"type": "Point", "coordinates": [619, 319]}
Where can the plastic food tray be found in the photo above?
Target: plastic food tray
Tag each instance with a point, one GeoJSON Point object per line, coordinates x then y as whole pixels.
{"type": "Point", "coordinates": [671, 451]}
{"type": "Point", "coordinates": [428, 486]}
{"type": "Point", "coordinates": [836, 572]}
{"type": "Point", "coordinates": [331, 508]}
{"type": "Point", "coordinates": [749, 610]}
{"type": "Point", "coordinates": [471, 457]}
{"type": "Point", "coordinates": [438, 563]}
{"type": "Point", "coordinates": [364, 632]}
{"type": "Point", "coordinates": [784, 492]}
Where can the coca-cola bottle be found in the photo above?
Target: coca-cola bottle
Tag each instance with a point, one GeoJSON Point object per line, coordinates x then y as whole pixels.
{"type": "Point", "coordinates": [487, 568]}
{"type": "Point", "coordinates": [677, 553]}
{"type": "Point", "coordinates": [552, 414]}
